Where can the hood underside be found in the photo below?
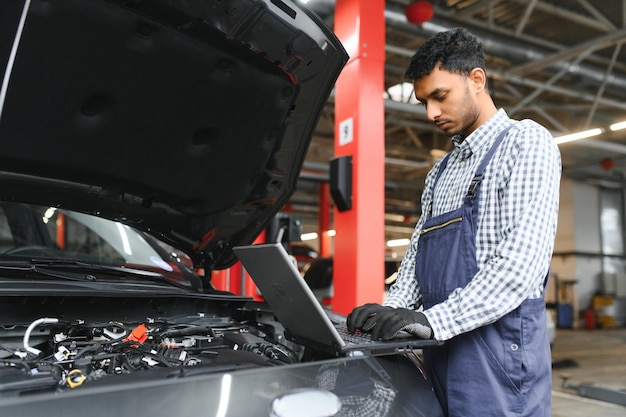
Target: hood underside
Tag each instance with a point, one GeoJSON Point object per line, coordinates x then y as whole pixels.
{"type": "Point", "coordinates": [186, 119]}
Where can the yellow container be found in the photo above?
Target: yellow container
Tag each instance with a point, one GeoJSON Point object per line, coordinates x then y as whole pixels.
{"type": "Point", "coordinates": [606, 322]}
{"type": "Point", "coordinates": [601, 301]}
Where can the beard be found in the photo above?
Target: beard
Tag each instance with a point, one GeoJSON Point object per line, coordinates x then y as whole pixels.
{"type": "Point", "coordinates": [468, 115]}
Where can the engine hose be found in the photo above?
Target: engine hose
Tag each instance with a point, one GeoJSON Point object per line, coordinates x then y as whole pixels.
{"type": "Point", "coordinates": [30, 329]}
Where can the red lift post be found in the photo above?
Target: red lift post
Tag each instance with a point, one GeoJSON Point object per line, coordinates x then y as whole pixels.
{"type": "Point", "coordinates": [358, 267]}
{"type": "Point", "coordinates": [324, 221]}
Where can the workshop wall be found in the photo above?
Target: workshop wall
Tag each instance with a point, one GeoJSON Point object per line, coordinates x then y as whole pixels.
{"type": "Point", "coordinates": [588, 259]}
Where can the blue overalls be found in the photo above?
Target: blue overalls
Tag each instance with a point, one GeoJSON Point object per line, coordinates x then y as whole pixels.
{"type": "Point", "coordinates": [501, 369]}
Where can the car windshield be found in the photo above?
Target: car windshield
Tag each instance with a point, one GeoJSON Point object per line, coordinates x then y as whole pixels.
{"type": "Point", "coordinates": [47, 233]}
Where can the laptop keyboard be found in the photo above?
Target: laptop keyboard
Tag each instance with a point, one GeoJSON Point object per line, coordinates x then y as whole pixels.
{"type": "Point", "coordinates": [339, 321]}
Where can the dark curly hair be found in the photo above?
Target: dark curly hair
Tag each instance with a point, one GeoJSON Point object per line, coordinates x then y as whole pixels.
{"type": "Point", "coordinates": [455, 50]}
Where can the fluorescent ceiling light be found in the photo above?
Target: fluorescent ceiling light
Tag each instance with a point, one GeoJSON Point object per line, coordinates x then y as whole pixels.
{"type": "Point", "coordinates": [618, 126]}
{"type": "Point", "coordinates": [398, 218]}
{"type": "Point", "coordinates": [578, 135]}
{"type": "Point", "coordinates": [398, 242]}
{"type": "Point", "coordinates": [314, 235]}
{"type": "Point", "coordinates": [308, 236]}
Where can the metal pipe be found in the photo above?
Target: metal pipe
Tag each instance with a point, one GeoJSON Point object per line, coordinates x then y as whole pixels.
{"type": "Point", "coordinates": [501, 46]}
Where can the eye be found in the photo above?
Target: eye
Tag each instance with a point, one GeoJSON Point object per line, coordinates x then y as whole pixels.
{"type": "Point", "coordinates": [441, 97]}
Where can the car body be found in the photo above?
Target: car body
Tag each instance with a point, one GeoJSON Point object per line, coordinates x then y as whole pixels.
{"type": "Point", "coordinates": [142, 141]}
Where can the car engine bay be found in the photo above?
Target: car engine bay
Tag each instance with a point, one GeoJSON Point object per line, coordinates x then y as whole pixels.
{"type": "Point", "coordinates": [55, 354]}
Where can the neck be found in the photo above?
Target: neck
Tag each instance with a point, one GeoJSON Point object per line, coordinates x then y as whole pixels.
{"type": "Point", "coordinates": [487, 110]}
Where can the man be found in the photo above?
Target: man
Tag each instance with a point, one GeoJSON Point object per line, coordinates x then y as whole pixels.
{"type": "Point", "coordinates": [479, 257]}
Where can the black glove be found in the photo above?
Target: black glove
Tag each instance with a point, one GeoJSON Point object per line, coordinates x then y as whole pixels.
{"type": "Point", "coordinates": [390, 322]}
{"type": "Point", "coordinates": [364, 317]}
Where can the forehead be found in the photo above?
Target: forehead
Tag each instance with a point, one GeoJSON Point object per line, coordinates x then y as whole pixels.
{"type": "Point", "coordinates": [438, 80]}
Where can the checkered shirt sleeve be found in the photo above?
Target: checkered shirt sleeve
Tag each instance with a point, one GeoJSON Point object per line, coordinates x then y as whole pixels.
{"type": "Point", "coordinates": [518, 212]}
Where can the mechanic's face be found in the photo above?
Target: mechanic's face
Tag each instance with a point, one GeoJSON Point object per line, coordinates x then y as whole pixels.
{"type": "Point", "coordinates": [450, 102]}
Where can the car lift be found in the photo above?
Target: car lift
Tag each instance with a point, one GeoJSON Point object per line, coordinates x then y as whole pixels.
{"type": "Point", "coordinates": [596, 391]}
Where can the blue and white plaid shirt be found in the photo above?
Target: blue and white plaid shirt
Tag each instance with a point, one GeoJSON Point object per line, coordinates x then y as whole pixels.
{"type": "Point", "coordinates": [518, 210]}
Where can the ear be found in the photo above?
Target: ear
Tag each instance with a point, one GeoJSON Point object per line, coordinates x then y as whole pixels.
{"type": "Point", "coordinates": [477, 79]}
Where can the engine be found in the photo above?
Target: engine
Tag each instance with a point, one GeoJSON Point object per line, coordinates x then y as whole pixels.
{"type": "Point", "coordinates": [54, 355]}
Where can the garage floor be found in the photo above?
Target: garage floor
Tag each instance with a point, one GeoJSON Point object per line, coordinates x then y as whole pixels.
{"type": "Point", "coordinates": [588, 356]}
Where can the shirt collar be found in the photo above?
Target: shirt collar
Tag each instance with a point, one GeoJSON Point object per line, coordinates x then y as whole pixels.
{"type": "Point", "coordinates": [483, 136]}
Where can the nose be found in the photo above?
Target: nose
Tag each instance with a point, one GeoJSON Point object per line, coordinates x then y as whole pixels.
{"type": "Point", "coordinates": [433, 111]}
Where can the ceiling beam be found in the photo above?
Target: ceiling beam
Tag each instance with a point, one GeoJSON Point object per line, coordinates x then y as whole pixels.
{"type": "Point", "coordinates": [560, 57]}
{"type": "Point", "coordinates": [508, 76]}
{"type": "Point", "coordinates": [527, 12]}
{"type": "Point", "coordinates": [504, 46]}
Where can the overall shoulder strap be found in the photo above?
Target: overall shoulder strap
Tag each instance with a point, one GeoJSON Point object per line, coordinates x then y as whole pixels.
{"type": "Point", "coordinates": [480, 171]}
{"type": "Point", "coordinates": [442, 167]}
{"type": "Point", "coordinates": [478, 176]}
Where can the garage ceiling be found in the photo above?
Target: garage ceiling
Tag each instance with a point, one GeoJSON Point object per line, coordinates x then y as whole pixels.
{"type": "Point", "coordinates": [559, 62]}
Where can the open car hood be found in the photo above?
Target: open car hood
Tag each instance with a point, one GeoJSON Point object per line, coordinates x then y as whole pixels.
{"type": "Point", "coordinates": [189, 120]}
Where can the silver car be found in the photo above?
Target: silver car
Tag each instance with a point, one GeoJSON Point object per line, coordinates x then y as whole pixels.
{"type": "Point", "coordinates": [141, 141]}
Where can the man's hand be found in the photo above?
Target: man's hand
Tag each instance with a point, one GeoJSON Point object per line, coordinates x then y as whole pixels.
{"type": "Point", "coordinates": [385, 322]}
{"type": "Point", "coordinates": [390, 322]}
{"type": "Point", "coordinates": [364, 317]}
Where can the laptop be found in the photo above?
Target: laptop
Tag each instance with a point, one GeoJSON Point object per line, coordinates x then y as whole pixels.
{"type": "Point", "coordinates": [306, 322]}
